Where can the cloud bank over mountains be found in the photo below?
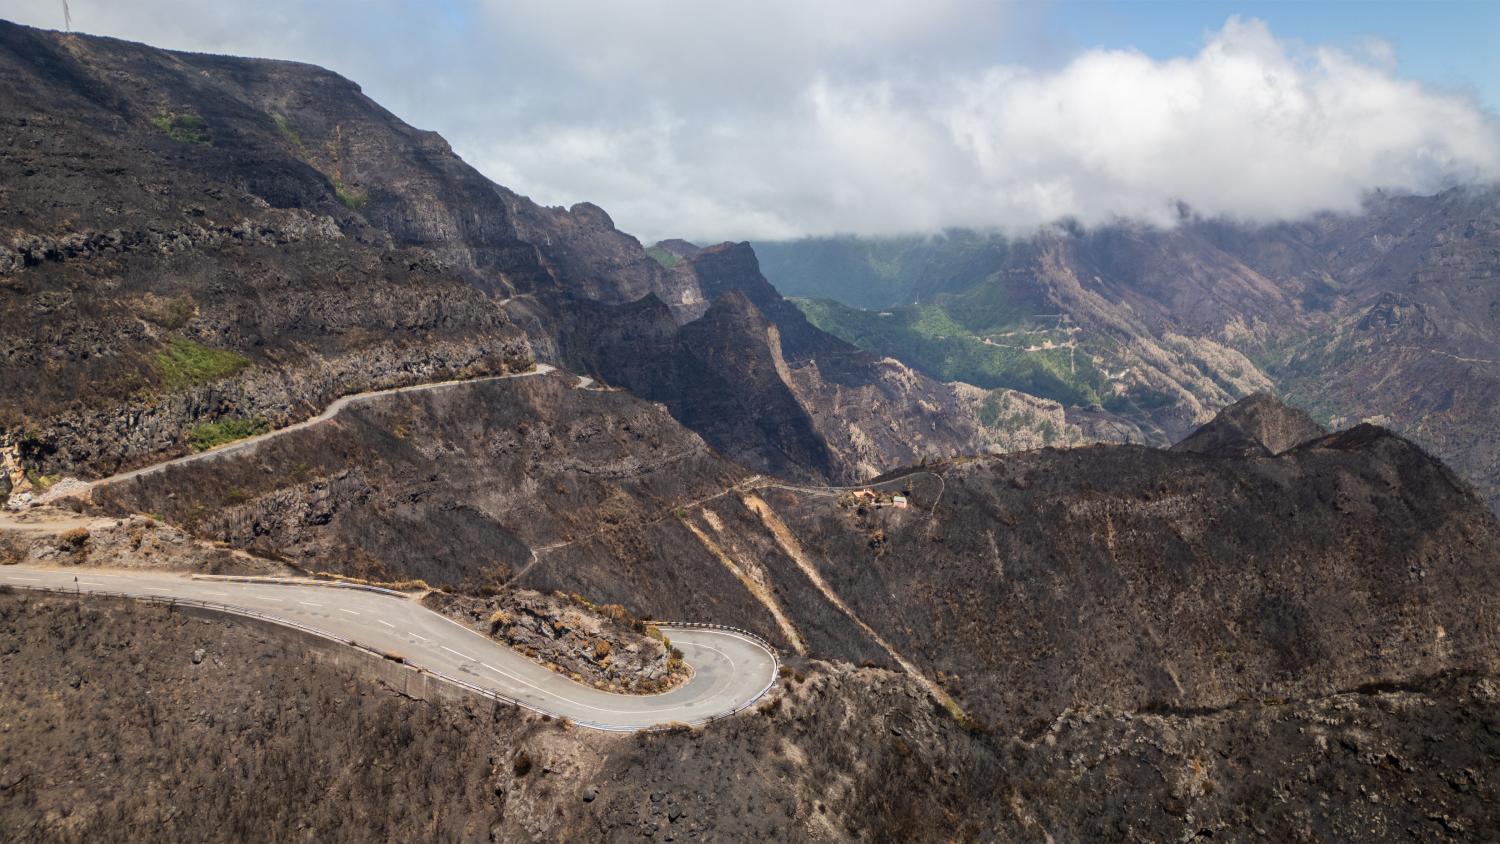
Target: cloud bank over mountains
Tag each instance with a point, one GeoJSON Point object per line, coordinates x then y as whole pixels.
{"type": "Point", "coordinates": [781, 118]}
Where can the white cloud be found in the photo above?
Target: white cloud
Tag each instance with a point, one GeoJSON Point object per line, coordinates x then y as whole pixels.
{"type": "Point", "coordinates": [785, 117]}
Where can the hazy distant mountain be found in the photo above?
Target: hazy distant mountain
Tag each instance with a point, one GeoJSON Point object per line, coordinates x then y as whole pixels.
{"type": "Point", "coordinates": [1392, 314]}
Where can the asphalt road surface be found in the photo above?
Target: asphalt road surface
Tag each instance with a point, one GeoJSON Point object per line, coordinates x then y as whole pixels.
{"type": "Point", "coordinates": [730, 670]}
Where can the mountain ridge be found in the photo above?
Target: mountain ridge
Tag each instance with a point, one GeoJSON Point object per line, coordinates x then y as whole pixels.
{"type": "Point", "coordinates": [413, 266]}
{"type": "Point", "coordinates": [1390, 315]}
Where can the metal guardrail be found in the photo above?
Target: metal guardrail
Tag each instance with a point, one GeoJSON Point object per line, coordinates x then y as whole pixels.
{"type": "Point", "coordinates": [764, 645]}
{"type": "Point", "coordinates": [470, 687]}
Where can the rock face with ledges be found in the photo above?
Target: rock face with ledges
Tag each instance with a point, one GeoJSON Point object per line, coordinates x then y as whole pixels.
{"type": "Point", "coordinates": [153, 198]}
{"type": "Point", "coordinates": [763, 385]}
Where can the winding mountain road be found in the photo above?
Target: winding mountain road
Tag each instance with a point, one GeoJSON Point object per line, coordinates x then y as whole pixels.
{"type": "Point", "coordinates": [730, 670]}
{"type": "Point", "coordinates": [71, 488]}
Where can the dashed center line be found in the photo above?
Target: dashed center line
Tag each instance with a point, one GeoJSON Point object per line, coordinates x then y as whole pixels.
{"type": "Point", "coordinates": [716, 679]}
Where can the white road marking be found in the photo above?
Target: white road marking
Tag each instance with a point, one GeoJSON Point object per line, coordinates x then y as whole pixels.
{"type": "Point", "coordinates": [90, 583]}
{"type": "Point", "coordinates": [472, 632]}
{"type": "Point", "coordinates": [220, 594]}
{"type": "Point", "coordinates": [719, 679]}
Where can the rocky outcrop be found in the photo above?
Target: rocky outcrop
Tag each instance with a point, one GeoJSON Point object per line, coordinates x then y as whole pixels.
{"type": "Point", "coordinates": [1259, 425]}
{"type": "Point", "coordinates": [603, 646]}
{"type": "Point", "coordinates": [1393, 312]}
{"type": "Point", "coordinates": [1010, 420]}
{"type": "Point", "coordinates": [590, 259]}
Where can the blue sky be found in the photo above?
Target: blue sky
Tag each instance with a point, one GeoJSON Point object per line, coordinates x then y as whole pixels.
{"type": "Point", "coordinates": [1447, 43]}
{"type": "Point", "coordinates": [760, 119]}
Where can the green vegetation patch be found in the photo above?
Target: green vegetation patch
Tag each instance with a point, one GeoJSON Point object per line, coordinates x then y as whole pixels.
{"type": "Point", "coordinates": [210, 434]}
{"type": "Point", "coordinates": [291, 135]}
{"type": "Point", "coordinates": [879, 272]}
{"type": "Point", "coordinates": [352, 199]}
{"type": "Point", "coordinates": [940, 338]}
{"type": "Point", "coordinates": [665, 258]}
{"type": "Point", "coordinates": [185, 127]}
{"type": "Point", "coordinates": [42, 481]}
{"type": "Point", "coordinates": [184, 363]}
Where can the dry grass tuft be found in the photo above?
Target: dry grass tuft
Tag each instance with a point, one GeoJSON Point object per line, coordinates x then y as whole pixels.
{"type": "Point", "coordinates": [499, 619]}
{"type": "Point", "coordinates": [75, 538]}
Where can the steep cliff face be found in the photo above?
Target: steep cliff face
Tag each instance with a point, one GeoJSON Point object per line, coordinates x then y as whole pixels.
{"type": "Point", "coordinates": [869, 413]}
{"type": "Point", "coordinates": [766, 387]}
{"type": "Point", "coordinates": [590, 258]}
